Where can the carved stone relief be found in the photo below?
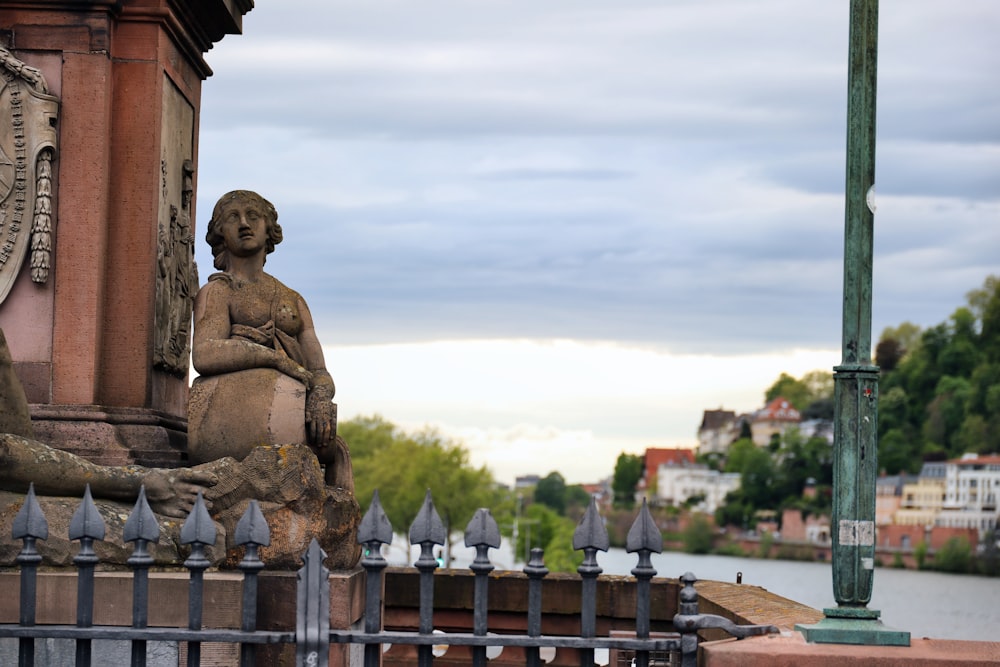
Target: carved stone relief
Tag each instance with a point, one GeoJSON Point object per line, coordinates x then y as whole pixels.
{"type": "Point", "coordinates": [176, 281]}
{"type": "Point", "coordinates": [28, 116]}
{"type": "Point", "coordinates": [176, 273]}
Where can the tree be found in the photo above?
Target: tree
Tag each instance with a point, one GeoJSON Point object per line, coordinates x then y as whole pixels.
{"type": "Point", "coordinates": [888, 353]}
{"type": "Point", "coordinates": [699, 536]}
{"type": "Point", "coordinates": [906, 335]}
{"type": "Point", "coordinates": [955, 555]}
{"type": "Point", "coordinates": [814, 386]}
{"type": "Point", "coordinates": [939, 398]}
{"type": "Point", "coordinates": [551, 491]}
{"type": "Point", "coordinates": [628, 472]}
{"type": "Point", "coordinates": [403, 467]}
{"type": "Point", "coordinates": [794, 391]}
{"type": "Point", "coordinates": [545, 529]}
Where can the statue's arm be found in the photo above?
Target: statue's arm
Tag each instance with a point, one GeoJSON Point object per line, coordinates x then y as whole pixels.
{"type": "Point", "coordinates": [214, 352]}
{"type": "Point", "coordinates": [57, 473]}
{"type": "Point", "coordinates": [320, 417]}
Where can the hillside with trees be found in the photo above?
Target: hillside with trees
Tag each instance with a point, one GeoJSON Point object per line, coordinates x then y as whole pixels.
{"type": "Point", "coordinates": [939, 392]}
{"type": "Point", "coordinates": [939, 398]}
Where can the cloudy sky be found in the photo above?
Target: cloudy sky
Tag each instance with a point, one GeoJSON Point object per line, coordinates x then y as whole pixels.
{"type": "Point", "coordinates": [560, 230]}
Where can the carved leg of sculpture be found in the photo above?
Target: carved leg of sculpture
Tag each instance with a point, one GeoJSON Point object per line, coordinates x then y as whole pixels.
{"type": "Point", "coordinates": [336, 459]}
{"type": "Point", "coordinates": [343, 473]}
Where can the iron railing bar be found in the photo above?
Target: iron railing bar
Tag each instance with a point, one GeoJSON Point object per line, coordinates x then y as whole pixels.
{"type": "Point", "coordinates": [336, 636]}
{"type": "Point", "coordinates": [29, 526]}
{"type": "Point", "coordinates": [536, 571]}
{"type": "Point", "coordinates": [672, 643]}
{"type": "Point", "coordinates": [198, 531]}
{"type": "Point", "coordinates": [149, 634]}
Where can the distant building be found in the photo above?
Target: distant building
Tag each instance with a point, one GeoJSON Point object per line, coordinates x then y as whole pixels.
{"type": "Point", "coordinates": [889, 490]}
{"type": "Point", "coordinates": [601, 492]}
{"type": "Point", "coordinates": [814, 528]}
{"type": "Point", "coordinates": [676, 484]}
{"type": "Point", "coordinates": [972, 484]}
{"type": "Point", "coordinates": [526, 481]}
{"type": "Point", "coordinates": [920, 502]}
{"type": "Point", "coordinates": [653, 458]}
{"type": "Point", "coordinates": [719, 428]}
{"type": "Point", "coordinates": [773, 419]}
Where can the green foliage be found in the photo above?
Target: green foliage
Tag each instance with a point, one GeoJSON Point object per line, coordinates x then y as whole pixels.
{"type": "Point", "coordinates": [628, 472]}
{"type": "Point", "coordinates": [812, 387]}
{"type": "Point", "coordinates": [551, 491]}
{"type": "Point", "coordinates": [699, 535]}
{"type": "Point", "coordinates": [404, 466]}
{"type": "Point", "coordinates": [788, 387]}
{"type": "Point", "coordinates": [955, 555]}
{"type": "Point", "coordinates": [920, 554]}
{"type": "Point", "coordinates": [764, 546]}
{"type": "Point", "coordinates": [543, 528]}
{"type": "Point", "coordinates": [988, 562]}
{"type": "Point", "coordinates": [942, 395]}
{"type": "Point", "coordinates": [731, 549]}
{"type": "Point", "coordinates": [775, 480]}
{"type": "Point", "coordinates": [577, 499]}
{"type": "Point", "coordinates": [906, 336]}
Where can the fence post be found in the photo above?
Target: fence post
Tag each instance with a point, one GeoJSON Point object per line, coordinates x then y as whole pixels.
{"type": "Point", "coordinates": [591, 536]}
{"type": "Point", "coordinates": [374, 531]}
{"type": "Point", "coordinates": [312, 622]}
{"type": "Point", "coordinates": [86, 525]}
{"type": "Point", "coordinates": [252, 533]}
{"type": "Point", "coordinates": [481, 533]}
{"type": "Point", "coordinates": [140, 528]}
{"type": "Point", "coordinates": [645, 538]}
{"type": "Point", "coordinates": [198, 531]}
{"type": "Point", "coordinates": [427, 530]}
{"type": "Point", "coordinates": [536, 571]}
{"type": "Point", "coordinates": [29, 525]}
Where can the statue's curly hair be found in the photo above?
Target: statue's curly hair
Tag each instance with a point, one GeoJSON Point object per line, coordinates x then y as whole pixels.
{"type": "Point", "coordinates": [214, 235]}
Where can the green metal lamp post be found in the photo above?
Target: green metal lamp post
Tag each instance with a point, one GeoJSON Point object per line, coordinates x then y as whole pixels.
{"type": "Point", "coordinates": [855, 466]}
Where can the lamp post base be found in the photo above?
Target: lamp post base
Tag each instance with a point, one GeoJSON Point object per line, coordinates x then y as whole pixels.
{"type": "Point", "coordinates": [853, 625]}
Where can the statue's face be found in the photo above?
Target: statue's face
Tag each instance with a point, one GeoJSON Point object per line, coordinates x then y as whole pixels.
{"type": "Point", "coordinates": [244, 228]}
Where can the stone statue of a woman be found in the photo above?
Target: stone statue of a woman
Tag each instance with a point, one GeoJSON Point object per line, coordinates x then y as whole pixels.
{"type": "Point", "coordinates": [247, 320]}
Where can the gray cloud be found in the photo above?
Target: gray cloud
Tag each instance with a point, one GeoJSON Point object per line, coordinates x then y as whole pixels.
{"type": "Point", "coordinates": [663, 173]}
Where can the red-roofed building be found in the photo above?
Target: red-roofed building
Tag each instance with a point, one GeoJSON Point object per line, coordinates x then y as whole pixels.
{"type": "Point", "coordinates": [774, 419]}
{"type": "Point", "coordinates": [653, 458]}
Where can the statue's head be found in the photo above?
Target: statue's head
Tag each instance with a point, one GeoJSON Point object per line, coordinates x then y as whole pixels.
{"type": "Point", "coordinates": [247, 198]}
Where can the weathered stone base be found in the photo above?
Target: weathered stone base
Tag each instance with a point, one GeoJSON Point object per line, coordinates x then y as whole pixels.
{"type": "Point", "coordinates": [112, 436]}
{"type": "Point", "coordinates": [59, 551]}
{"type": "Point", "coordinates": [229, 415]}
{"type": "Point", "coordinates": [287, 482]}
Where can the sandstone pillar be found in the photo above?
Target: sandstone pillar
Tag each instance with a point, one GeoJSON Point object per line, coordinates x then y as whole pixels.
{"type": "Point", "coordinates": [100, 346]}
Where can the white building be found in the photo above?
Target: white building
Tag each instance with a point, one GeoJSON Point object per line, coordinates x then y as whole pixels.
{"type": "Point", "coordinates": [972, 484]}
{"type": "Point", "coordinates": [676, 484]}
{"type": "Point", "coordinates": [717, 431]}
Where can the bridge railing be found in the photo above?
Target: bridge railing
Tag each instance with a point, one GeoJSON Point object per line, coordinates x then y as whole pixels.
{"type": "Point", "coordinates": [313, 635]}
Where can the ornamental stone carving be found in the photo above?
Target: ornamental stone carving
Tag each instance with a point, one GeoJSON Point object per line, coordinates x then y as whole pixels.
{"type": "Point", "coordinates": [28, 116]}
{"type": "Point", "coordinates": [176, 282]}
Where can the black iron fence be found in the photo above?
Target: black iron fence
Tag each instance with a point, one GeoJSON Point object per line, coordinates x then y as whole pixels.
{"type": "Point", "coordinates": [313, 635]}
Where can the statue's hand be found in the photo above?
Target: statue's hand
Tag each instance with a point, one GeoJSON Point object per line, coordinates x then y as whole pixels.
{"type": "Point", "coordinates": [320, 421]}
{"type": "Point", "coordinates": [261, 335]}
{"type": "Point", "coordinates": [172, 492]}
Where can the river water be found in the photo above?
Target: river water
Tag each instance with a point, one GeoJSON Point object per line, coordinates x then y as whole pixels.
{"type": "Point", "coordinates": [927, 604]}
